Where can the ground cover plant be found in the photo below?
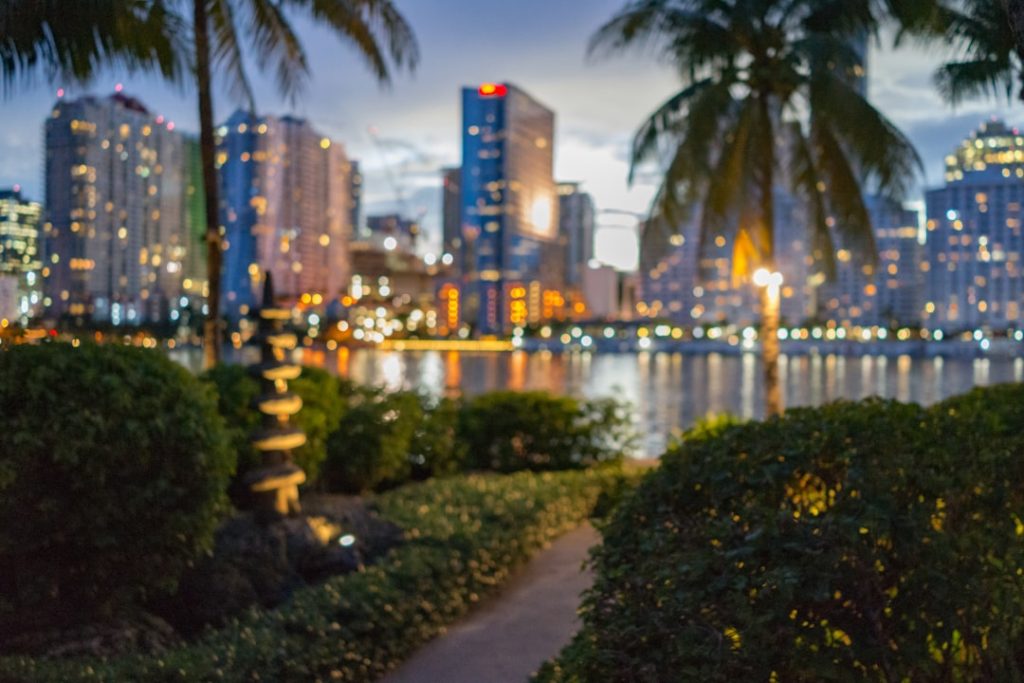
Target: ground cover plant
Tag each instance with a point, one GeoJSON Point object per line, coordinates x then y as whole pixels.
{"type": "Point", "coordinates": [464, 535]}
{"type": "Point", "coordinates": [868, 541]}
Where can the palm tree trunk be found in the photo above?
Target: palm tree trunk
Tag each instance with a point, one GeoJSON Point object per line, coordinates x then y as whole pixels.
{"type": "Point", "coordinates": [208, 153]}
{"type": "Point", "coordinates": [770, 349]}
{"type": "Point", "coordinates": [769, 294]}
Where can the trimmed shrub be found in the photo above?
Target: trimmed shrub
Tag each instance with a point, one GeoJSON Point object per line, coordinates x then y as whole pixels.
{"type": "Point", "coordinates": [435, 450]}
{"type": "Point", "coordinates": [464, 537]}
{"type": "Point", "coordinates": [858, 541]}
{"type": "Point", "coordinates": [507, 431]}
{"type": "Point", "coordinates": [112, 477]}
{"type": "Point", "coordinates": [323, 403]}
{"type": "Point", "coordinates": [371, 447]}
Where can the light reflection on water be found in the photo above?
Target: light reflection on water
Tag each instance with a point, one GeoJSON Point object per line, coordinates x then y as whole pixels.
{"type": "Point", "coordinates": [668, 392]}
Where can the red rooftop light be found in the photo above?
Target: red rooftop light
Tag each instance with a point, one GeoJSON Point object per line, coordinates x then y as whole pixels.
{"type": "Point", "coordinates": [493, 90]}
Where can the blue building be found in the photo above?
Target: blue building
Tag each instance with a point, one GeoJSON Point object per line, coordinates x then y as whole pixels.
{"type": "Point", "coordinates": [509, 209]}
{"type": "Point", "coordinates": [974, 240]}
{"type": "Point", "coordinates": [237, 139]}
{"type": "Point", "coordinates": [287, 209]}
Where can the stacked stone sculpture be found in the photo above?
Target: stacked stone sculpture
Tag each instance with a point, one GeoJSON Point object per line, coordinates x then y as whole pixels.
{"type": "Point", "coordinates": [274, 485]}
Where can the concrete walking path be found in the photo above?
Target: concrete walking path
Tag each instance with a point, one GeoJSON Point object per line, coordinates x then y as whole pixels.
{"type": "Point", "coordinates": [513, 633]}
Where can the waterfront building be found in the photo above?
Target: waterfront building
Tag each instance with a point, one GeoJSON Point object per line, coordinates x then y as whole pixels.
{"type": "Point", "coordinates": [516, 272]}
{"type": "Point", "coordinates": [287, 210]}
{"type": "Point", "coordinates": [20, 255]}
{"type": "Point", "coordinates": [974, 239]}
{"type": "Point", "coordinates": [451, 213]}
{"type": "Point", "coordinates": [115, 226]}
{"type": "Point", "coordinates": [887, 293]}
{"type": "Point", "coordinates": [576, 227]}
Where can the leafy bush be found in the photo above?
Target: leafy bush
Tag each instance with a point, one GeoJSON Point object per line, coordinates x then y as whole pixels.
{"type": "Point", "coordinates": [435, 450]}
{"type": "Point", "coordinates": [464, 536]}
{"type": "Point", "coordinates": [507, 431]}
{"type": "Point", "coordinates": [371, 446]}
{"type": "Point", "coordinates": [112, 475]}
{"type": "Point", "coordinates": [858, 541]}
{"type": "Point", "coordinates": [323, 403]}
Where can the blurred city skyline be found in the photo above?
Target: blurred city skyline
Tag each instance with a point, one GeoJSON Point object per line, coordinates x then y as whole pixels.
{"type": "Point", "coordinates": [540, 47]}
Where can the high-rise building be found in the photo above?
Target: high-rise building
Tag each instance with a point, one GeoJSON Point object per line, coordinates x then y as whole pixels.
{"type": "Point", "coordinates": [356, 199]}
{"type": "Point", "coordinates": [20, 255]}
{"type": "Point", "coordinates": [509, 208]}
{"type": "Point", "coordinates": [974, 240]}
{"type": "Point", "coordinates": [576, 227]}
{"type": "Point", "coordinates": [287, 210]}
{"type": "Point", "coordinates": [887, 293]}
{"type": "Point", "coordinates": [115, 199]}
{"type": "Point", "coordinates": [451, 212]}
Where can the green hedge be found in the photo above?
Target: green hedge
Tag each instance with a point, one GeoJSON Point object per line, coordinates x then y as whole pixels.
{"type": "Point", "coordinates": [464, 536]}
{"type": "Point", "coordinates": [372, 444]}
{"type": "Point", "coordinates": [858, 541]}
{"type": "Point", "coordinates": [507, 431]}
{"type": "Point", "coordinates": [112, 476]}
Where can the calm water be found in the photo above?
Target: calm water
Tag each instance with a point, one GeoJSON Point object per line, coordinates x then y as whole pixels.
{"type": "Point", "coordinates": [668, 392]}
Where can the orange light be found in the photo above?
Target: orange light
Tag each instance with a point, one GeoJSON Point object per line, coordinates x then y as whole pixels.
{"type": "Point", "coordinates": [493, 90]}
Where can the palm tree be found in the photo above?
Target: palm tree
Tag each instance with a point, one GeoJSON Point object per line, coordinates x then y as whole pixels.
{"type": "Point", "coordinates": [222, 29]}
{"type": "Point", "coordinates": [989, 36]}
{"type": "Point", "coordinates": [768, 97]}
{"type": "Point", "coordinates": [73, 40]}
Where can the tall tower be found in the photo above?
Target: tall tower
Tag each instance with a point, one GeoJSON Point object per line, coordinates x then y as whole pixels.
{"type": "Point", "coordinates": [287, 210]}
{"type": "Point", "coordinates": [509, 207]}
{"type": "Point", "coordinates": [576, 225]}
{"type": "Point", "coordinates": [974, 240]}
{"type": "Point", "coordinates": [115, 225]}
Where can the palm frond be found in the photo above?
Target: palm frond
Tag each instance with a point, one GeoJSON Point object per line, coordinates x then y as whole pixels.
{"type": "Point", "coordinates": [274, 42]}
{"type": "Point", "coordinates": [844, 195]}
{"type": "Point", "coordinates": [226, 52]}
{"type": "Point", "coordinates": [987, 62]}
{"type": "Point", "coordinates": [662, 122]}
{"type": "Point", "coordinates": [805, 178]}
{"type": "Point", "coordinates": [708, 113]}
{"type": "Point", "coordinates": [376, 28]}
{"type": "Point", "coordinates": [691, 34]}
{"type": "Point", "coordinates": [883, 154]}
{"type": "Point", "coordinates": [733, 196]}
{"type": "Point", "coordinates": [74, 40]}
{"type": "Point", "coordinates": [959, 81]}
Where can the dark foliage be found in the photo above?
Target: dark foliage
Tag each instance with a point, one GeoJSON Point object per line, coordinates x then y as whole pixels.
{"type": "Point", "coordinates": [858, 541]}
{"type": "Point", "coordinates": [112, 477]}
{"type": "Point", "coordinates": [508, 431]}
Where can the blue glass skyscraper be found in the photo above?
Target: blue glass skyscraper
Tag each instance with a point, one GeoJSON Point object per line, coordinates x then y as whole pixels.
{"type": "Point", "coordinates": [509, 208]}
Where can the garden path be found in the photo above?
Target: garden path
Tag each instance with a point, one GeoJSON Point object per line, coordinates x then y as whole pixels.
{"type": "Point", "coordinates": [511, 635]}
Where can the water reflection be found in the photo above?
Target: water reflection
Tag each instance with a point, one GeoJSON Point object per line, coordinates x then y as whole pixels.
{"type": "Point", "coordinates": [669, 392]}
